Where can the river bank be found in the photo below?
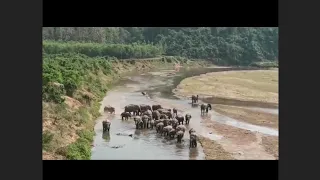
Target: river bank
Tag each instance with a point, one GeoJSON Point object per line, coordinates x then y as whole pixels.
{"type": "Point", "coordinates": [68, 127]}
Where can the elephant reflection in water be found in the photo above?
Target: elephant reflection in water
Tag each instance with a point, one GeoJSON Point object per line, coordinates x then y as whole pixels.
{"type": "Point", "coordinates": [106, 136]}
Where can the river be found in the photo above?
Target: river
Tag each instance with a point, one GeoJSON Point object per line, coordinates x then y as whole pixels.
{"type": "Point", "coordinates": [146, 144]}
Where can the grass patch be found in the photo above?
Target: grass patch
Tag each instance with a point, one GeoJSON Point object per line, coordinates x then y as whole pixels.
{"type": "Point", "coordinates": [260, 85]}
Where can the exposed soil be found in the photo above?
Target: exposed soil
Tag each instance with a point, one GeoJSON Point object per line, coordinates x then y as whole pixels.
{"type": "Point", "coordinates": [249, 116]}
{"type": "Point", "coordinates": [271, 145]}
{"type": "Point", "coordinates": [213, 150]}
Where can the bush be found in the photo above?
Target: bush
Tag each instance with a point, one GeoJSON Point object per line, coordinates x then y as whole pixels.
{"type": "Point", "coordinates": [46, 140]}
{"type": "Point", "coordinates": [80, 150]}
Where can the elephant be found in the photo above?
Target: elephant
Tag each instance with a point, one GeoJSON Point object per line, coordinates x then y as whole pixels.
{"type": "Point", "coordinates": [151, 123]}
{"type": "Point", "coordinates": [180, 118]}
{"type": "Point", "coordinates": [166, 130]}
{"type": "Point", "coordinates": [165, 109]}
{"type": "Point", "coordinates": [172, 133]}
{"type": "Point", "coordinates": [145, 120]}
{"type": "Point", "coordinates": [175, 111]}
{"type": "Point", "coordinates": [159, 127]}
{"type": "Point", "coordinates": [194, 99]}
{"type": "Point", "coordinates": [138, 122]}
{"type": "Point", "coordinates": [135, 109]}
{"type": "Point", "coordinates": [157, 121]}
{"type": "Point", "coordinates": [125, 115]}
{"type": "Point", "coordinates": [192, 131]}
{"type": "Point", "coordinates": [180, 136]}
{"type": "Point", "coordinates": [193, 140]}
{"type": "Point", "coordinates": [106, 125]}
{"type": "Point", "coordinates": [109, 109]}
{"type": "Point", "coordinates": [174, 123]}
{"type": "Point", "coordinates": [148, 113]}
{"type": "Point", "coordinates": [188, 117]}
{"type": "Point", "coordinates": [181, 128]}
{"type": "Point", "coordinates": [205, 107]}
{"type": "Point", "coordinates": [163, 116]}
{"type": "Point", "coordinates": [156, 107]}
{"type": "Point", "coordinates": [155, 115]}
{"type": "Point", "coordinates": [168, 113]}
{"type": "Point", "coordinates": [166, 122]}
{"type": "Point", "coordinates": [144, 107]}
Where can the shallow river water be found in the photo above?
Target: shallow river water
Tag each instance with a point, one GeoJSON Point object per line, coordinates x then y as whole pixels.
{"type": "Point", "coordinates": [147, 144]}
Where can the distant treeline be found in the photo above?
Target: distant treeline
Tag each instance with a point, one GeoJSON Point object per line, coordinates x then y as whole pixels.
{"type": "Point", "coordinates": [223, 45]}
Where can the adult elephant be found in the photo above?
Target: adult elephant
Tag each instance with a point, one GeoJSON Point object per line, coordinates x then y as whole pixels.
{"type": "Point", "coordinates": [166, 130]}
{"type": "Point", "coordinates": [175, 111]}
{"type": "Point", "coordinates": [174, 123]}
{"type": "Point", "coordinates": [144, 107]}
{"type": "Point", "coordinates": [167, 113]}
{"type": "Point", "coordinates": [179, 136]}
{"type": "Point", "coordinates": [194, 99]}
{"type": "Point", "coordinates": [181, 128]}
{"type": "Point", "coordinates": [147, 113]}
{"type": "Point", "coordinates": [125, 115]}
{"type": "Point", "coordinates": [164, 109]}
{"type": "Point", "coordinates": [138, 122]}
{"type": "Point", "coordinates": [163, 116]}
{"type": "Point", "coordinates": [166, 122]}
{"type": "Point", "coordinates": [188, 117]}
{"type": "Point", "coordinates": [205, 107]}
{"type": "Point", "coordinates": [180, 118]}
{"type": "Point", "coordinates": [145, 119]}
{"type": "Point", "coordinates": [135, 109]}
{"type": "Point", "coordinates": [106, 125]}
{"type": "Point", "coordinates": [156, 107]}
{"type": "Point", "coordinates": [155, 115]}
{"type": "Point", "coordinates": [172, 133]}
{"type": "Point", "coordinates": [159, 127]}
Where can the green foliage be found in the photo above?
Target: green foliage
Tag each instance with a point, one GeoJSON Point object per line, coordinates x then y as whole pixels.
{"type": "Point", "coordinates": [71, 71]}
{"type": "Point", "coordinates": [80, 150]}
{"type": "Point", "coordinates": [46, 139]}
{"type": "Point", "coordinates": [86, 134]}
{"type": "Point", "coordinates": [123, 51]}
{"type": "Point", "coordinates": [223, 45]}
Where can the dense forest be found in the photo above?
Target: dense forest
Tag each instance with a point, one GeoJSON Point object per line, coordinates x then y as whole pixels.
{"type": "Point", "coordinates": [223, 45]}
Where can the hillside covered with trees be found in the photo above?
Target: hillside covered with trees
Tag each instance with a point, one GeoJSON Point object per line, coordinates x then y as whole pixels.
{"type": "Point", "coordinates": [223, 45]}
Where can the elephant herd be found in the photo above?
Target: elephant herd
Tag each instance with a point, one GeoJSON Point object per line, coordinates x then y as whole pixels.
{"type": "Point", "coordinates": [167, 122]}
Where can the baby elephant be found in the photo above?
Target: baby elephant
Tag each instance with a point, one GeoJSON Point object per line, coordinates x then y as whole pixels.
{"type": "Point", "coordinates": [193, 140]}
{"type": "Point", "coordinates": [125, 115]}
{"type": "Point", "coordinates": [188, 117]}
{"type": "Point", "coordinates": [109, 109]}
{"type": "Point", "coordinates": [106, 125]}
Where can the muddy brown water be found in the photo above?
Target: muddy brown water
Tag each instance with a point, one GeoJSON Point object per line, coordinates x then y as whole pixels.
{"type": "Point", "coordinates": [146, 143]}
